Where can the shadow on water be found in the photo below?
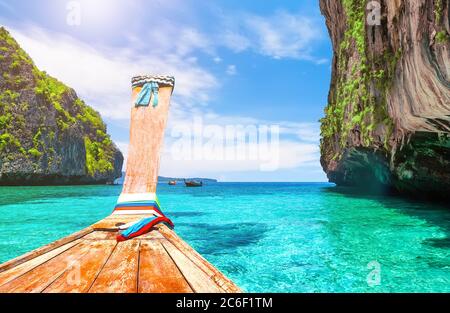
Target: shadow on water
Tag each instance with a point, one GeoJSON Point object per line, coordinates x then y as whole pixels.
{"type": "Point", "coordinates": [436, 214]}
{"type": "Point", "coordinates": [223, 239]}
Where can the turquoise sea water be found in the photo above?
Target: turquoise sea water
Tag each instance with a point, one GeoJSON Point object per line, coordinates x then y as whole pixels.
{"type": "Point", "coordinates": [269, 237]}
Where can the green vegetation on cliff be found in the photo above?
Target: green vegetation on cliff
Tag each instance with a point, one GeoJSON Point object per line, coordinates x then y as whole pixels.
{"type": "Point", "coordinates": [438, 11]}
{"type": "Point", "coordinates": [38, 113]}
{"type": "Point", "coordinates": [442, 37]}
{"type": "Point", "coordinates": [99, 158]}
{"type": "Point", "coordinates": [353, 107]}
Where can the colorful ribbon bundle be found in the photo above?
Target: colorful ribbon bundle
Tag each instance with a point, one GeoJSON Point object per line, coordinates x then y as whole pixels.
{"type": "Point", "coordinates": [141, 227]}
{"type": "Point", "coordinates": [128, 204]}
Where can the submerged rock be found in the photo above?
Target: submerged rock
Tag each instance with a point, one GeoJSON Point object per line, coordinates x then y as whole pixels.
{"type": "Point", "coordinates": [47, 134]}
{"type": "Point", "coordinates": [387, 123]}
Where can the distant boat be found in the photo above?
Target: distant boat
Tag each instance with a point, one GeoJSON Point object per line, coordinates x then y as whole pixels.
{"type": "Point", "coordinates": [172, 182]}
{"type": "Point", "coordinates": [193, 183]}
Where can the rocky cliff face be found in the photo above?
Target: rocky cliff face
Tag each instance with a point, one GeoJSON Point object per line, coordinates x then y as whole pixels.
{"type": "Point", "coordinates": [387, 123]}
{"type": "Point", "coordinates": [47, 134]}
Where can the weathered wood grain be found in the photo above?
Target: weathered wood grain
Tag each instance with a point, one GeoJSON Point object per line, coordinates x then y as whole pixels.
{"type": "Point", "coordinates": [198, 260]}
{"type": "Point", "coordinates": [154, 234]}
{"type": "Point", "coordinates": [197, 279]}
{"type": "Point", "coordinates": [119, 275]}
{"type": "Point", "coordinates": [101, 235]}
{"type": "Point", "coordinates": [146, 137]}
{"type": "Point", "coordinates": [79, 277]}
{"type": "Point", "coordinates": [157, 271]}
{"type": "Point", "coordinates": [112, 222]}
{"type": "Point", "coordinates": [25, 267]}
{"type": "Point", "coordinates": [40, 277]}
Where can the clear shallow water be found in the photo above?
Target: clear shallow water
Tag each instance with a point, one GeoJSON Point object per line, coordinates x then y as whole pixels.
{"type": "Point", "coordinates": [266, 237]}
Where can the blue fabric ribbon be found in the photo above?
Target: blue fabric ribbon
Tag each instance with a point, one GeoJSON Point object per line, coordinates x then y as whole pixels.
{"type": "Point", "coordinates": [149, 89]}
{"type": "Point", "coordinates": [137, 226]}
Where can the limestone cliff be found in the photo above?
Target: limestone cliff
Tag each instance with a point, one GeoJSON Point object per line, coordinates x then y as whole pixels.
{"type": "Point", "coordinates": [387, 123]}
{"type": "Point", "coordinates": [47, 134]}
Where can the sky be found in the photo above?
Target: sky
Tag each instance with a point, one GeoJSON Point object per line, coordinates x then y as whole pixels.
{"type": "Point", "coordinates": [252, 77]}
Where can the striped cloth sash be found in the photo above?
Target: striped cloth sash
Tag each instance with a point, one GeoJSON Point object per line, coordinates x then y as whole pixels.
{"type": "Point", "coordinates": [138, 207]}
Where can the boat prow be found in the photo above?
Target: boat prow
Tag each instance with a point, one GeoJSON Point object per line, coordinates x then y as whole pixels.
{"type": "Point", "coordinates": [92, 261]}
{"type": "Point", "coordinates": [193, 183]}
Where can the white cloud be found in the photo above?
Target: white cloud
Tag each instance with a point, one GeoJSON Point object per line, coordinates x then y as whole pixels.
{"type": "Point", "coordinates": [167, 37]}
{"type": "Point", "coordinates": [282, 35]}
{"type": "Point", "coordinates": [102, 76]}
{"type": "Point", "coordinates": [123, 147]}
{"type": "Point", "coordinates": [306, 132]}
{"type": "Point", "coordinates": [297, 144]}
{"type": "Point", "coordinates": [322, 61]}
{"type": "Point", "coordinates": [235, 41]}
{"type": "Point", "coordinates": [231, 70]}
{"type": "Point", "coordinates": [291, 155]}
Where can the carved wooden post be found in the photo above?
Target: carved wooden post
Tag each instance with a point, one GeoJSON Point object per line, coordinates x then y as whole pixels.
{"type": "Point", "coordinates": [150, 107]}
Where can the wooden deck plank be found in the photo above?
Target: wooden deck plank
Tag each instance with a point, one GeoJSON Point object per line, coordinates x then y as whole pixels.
{"type": "Point", "coordinates": [165, 264]}
{"type": "Point", "coordinates": [186, 249]}
{"type": "Point", "coordinates": [120, 272]}
{"type": "Point", "coordinates": [40, 277]}
{"type": "Point", "coordinates": [197, 279]}
{"type": "Point", "coordinates": [111, 222]}
{"type": "Point", "coordinates": [101, 235]}
{"type": "Point", "coordinates": [153, 234]}
{"type": "Point", "coordinates": [157, 271]}
{"type": "Point", "coordinates": [200, 261]}
{"type": "Point", "coordinates": [23, 268]}
{"type": "Point", "coordinates": [79, 277]}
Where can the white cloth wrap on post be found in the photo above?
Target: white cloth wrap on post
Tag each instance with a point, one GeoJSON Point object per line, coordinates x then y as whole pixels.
{"type": "Point", "coordinates": [137, 212]}
{"type": "Point", "coordinates": [136, 197]}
